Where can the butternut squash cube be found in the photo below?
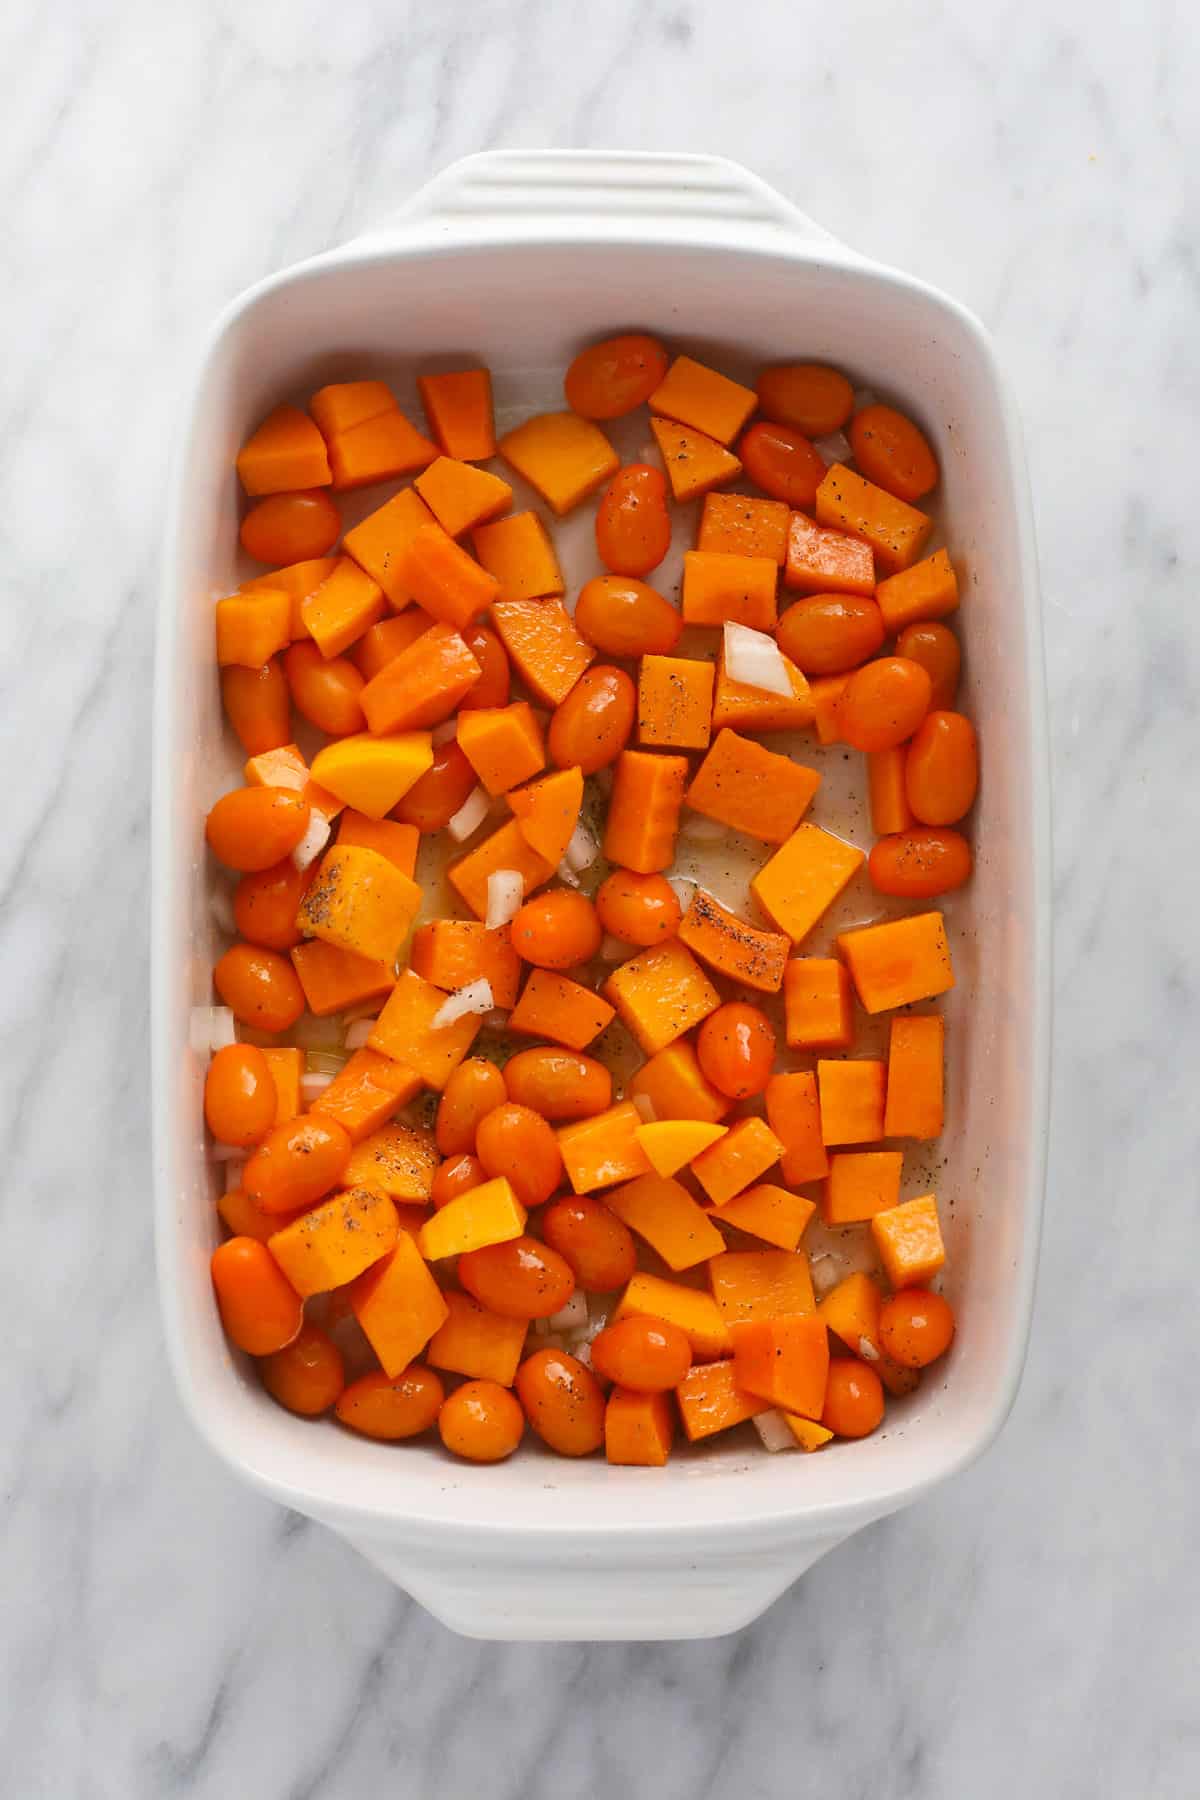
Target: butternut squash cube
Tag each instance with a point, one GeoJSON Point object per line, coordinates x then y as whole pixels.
{"type": "Point", "coordinates": [399, 1305]}
{"type": "Point", "coordinates": [745, 708]}
{"type": "Point", "coordinates": [283, 455]}
{"type": "Point", "coordinates": [696, 395]}
{"type": "Point", "coordinates": [794, 1115]}
{"type": "Point", "coordinates": [927, 590]}
{"type": "Point", "coordinates": [753, 957]}
{"type": "Point", "coordinates": [804, 878]}
{"type": "Point", "coordinates": [676, 1088]}
{"type": "Point", "coordinates": [851, 1311]}
{"type": "Point", "coordinates": [333, 978]}
{"type": "Point", "coordinates": [909, 1240]}
{"type": "Point", "coordinates": [333, 1242]}
{"type": "Point", "coordinates": [670, 1144]}
{"type": "Point", "coordinates": [347, 602]}
{"type": "Point", "coordinates": [366, 1092]}
{"type": "Point", "coordinates": [405, 1029]}
{"type": "Point", "coordinates": [694, 462]}
{"type": "Point", "coordinates": [899, 961]}
{"type": "Point", "coordinates": [895, 530]}
{"type": "Point", "coordinates": [400, 1161]}
{"type": "Point", "coordinates": [547, 812]}
{"type": "Point", "coordinates": [771, 1213]}
{"type": "Point", "coordinates": [520, 553]}
{"type": "Point", "coordinates": [710, 1400]}
{"type": "Point", "coordinates": [555, 1007]}
{"type": "Point", "coordinates": [460, 496]}
{"type": "Point", "coordinates": [736, 525]}
{"type": "Point", "coordinates": [915, 1077]}
{"type": "Point", "coordinates": [458, 405]}
{"type": "Point", "coordinates": [660, 994]}
{"type": "Point", "coordinates": [388, 837]}
{"type": "Point", "coordinates": [761, 1284]}
{"type": "Point", "coordinates": [852, 1098]}
{"type": "Point", "coordinates": [547, 651]}
{"type": "Point", "coordinates": [860, 1184]}
{"type": "Point", "coordinates": [476, 1342]}
{"type": "Point", "coordinates": [826, 562]}
{"type": "Point", "coordinates": [695, 1313]}
{"type": "Point", "coordinates": [487, 1214]}
{"type": "Point", "coordinates": [600, 1151]}
{"type": "Point", "coordinates": [451, 953]}
{"type": "Point", "coordinates": [675, 702]}
{"type": "Point", "coordinates": [506, 848]}
{"type": "Point", "coordinates": [503, 744]}
{"type": "Point", "coordinates": [251, 628]}
{"type": "Point", "coordinates": [360, 902]}
{"type": "Point", "coordinates": [638, 1429]}
{"type": "Point", "coordinates": [379, 544]}
{"type": "Point", "coordinates": [785, 1361]}
{"type": "Point", "coordinates": [744, 785]}
{"type": "Point", "coordinates": [818, 1004]}
{"type": "Point", "coordinates": [748, 1149]}
{"type": "Point", "coordinates": [673, 1224]}
{"type": "Point", "coordinates": [717, 588]}
{"type": "Point", "coordinates": [565, 458]}
{"type": "Point", "coordinates": [372, 773]}
{"type": "Point", "coordinates": [808, 1434]}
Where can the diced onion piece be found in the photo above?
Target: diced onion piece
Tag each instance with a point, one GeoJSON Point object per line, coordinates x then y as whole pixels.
{"type": "Point", "coordinates": [833, 449]}
{"type": "Point", "coordinates": [774, 1430]}
{"type": "Point", "coordinates": [683, 888]}
{"type": "Point", "coordinates": [582, 850]}
{"type": "Point", "coordinates": [702, 830]}
{"type": "Point", "coordinates": [220, 905]}
{"type": "Point", "coordinates": [571, 1316]}
{"type": "Point", "coordinates": [645, 1108]}
{"type": "Point", "coordinates": [313, 1083]}
{"type": "Point", "coordinates": [476, 997]}
{"type": "Point", "coordinates": [358, 1033]}
{"type": "Point", "coordinates": [612, 950]}
{"type": "Point", "coordinates": [505, 892]}
{"type": "Point", "coordinates": [441, 734]}
{"type": "Point", "coordinates": [233, 1175]}
{"type": "Point", "coordinates": [867, 1350]}
{"type": "Point", "coordinates": [824, 1274]}
{"type": "Point", "coordinates": [221, 1153]}
{"type": "Point", "coordinates": [470, 815]}
{"type": "Point", "coordinates": [566, 873]}
{"type": "Point", "coordinates": [314, 840]}
{"type": "Point", "coordinates": [755, 660]}
{"type": "Point", "coordinates": [211, 1028]}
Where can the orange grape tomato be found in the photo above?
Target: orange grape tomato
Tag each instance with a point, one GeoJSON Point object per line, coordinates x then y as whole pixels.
{"type": "Point", "coordinates": [481, 1422]}
{"type": "Point", "coordinates": [598, 1245]}
{"type": "Point", "coordinates": [433, 800]}
{"type": "Point", "coordinates": [883, 703]}
{"type": "Point", "coordinates": [827, 634]}
{"type": "Point", "coordinates": [893, 452]}
{"type": "Point", "coordinates": [287, 528]}
{"type": "Point", "coordinates": [474, 1088]}
{"type": "Point", "coordinates": [935, 647]}
{"type": "Point", "coordinates": [559, 1084]}
{"type": "Point", "coordinates": [607, 380]}
{"type": "Point", "coordinates": [260, 1309]}
{"type": "Point", "coordinates": [265, 904]}
{"type": "Point", "coordinates": [563, 1402]}
{"type": "Point", "coordinates": [252, 827]}
{"type": "Point", "coordinates": [307, 1375]}
{"type": "Point", "coordinates": [557, 929]}
{"type": "Point", "coordinates": [495, 683]}
{"type": "Point", "coordinates": [735, 1048]}
{"type": "Point", "coordinates": [916, 1327]}
{"type": "Point", "coordinates": [853, 1398]}
{"type": "Point", "coordinates": [814, 398]}
{"type": "Point", "coordinates": [297, 1163]}
{"type": "Point", "coordinates": [591, 727]}
{"type": "Point", "coordinates": [260, 987]}
{"type": "Point", "coordinates": [392, 1407]}
{"type": "Point", "coordinates": [782, 462]}
{"type": "Point", "coordinates": [638, 909]}
{"type": "Point", "coordinates": [521, 1279]}
{"type": "Point", "coordinates": [516, 1142]}
{"type": "Point", "coordinates": [239, 1095]}
{"type": "Point", "coordinates": [258, 706]}
{"type": "Point", "coordinates": [457, 1175]}
{"type": "Point", "coordinates": [942, 772]}
{"type": "Point", "coordinates": [919, 863]}
{"type": "Point", "coordinates": [624, 617]}
{"type": "Point", "coordinates": [649, 1355]}
{"type": "Point", "coordinates": [633, 526]}
{"type": "Point", "coordinates": [325, 691]}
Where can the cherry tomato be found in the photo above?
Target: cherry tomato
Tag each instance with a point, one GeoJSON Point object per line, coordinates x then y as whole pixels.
{"type": "Point", "coordinates": [432, 801]}
{"type": "Point", "coordinates": [481, 1422]}
{"type": "Point", "coordinates": [307, 1375]}
{"type": "Point", "coordinates": [252, 827]}
{"type": "Point", "coordinates": [520, 1279]}
{"type": "Point", "coordinates": [325, 690]}
{"type": "Point", "coordinates": [380, 644]}
{"type": "Point", "coordinates": [893, 452]}
{"type": "Point", "coordinates": [589, 1236]}
{"type": "Point", "coordinates": [592, 725]}
{"type": "Point", "coordinates": [942, 772]}
{"type": "Point", "coordinates": [883, 703]}
{"type": "Point", "coordinates": [257, 705]}
{"type": "Point", "coordinates": [563, 1402]}
{"type": "Point", "coordinates": [827, 634]}
{"type": "Point", "coordinates": [457, 1175]}
{"type": "Point", "coordinates": [239, 1095]}
{"type": "Point", "coordinates": [916, 1327]}
{"type": "Point", "coordinates": [287, 528]}
{"type": "Point", "coordinates": [853, 1398]}
{"type": "Point", "coordinates": [556, 930]}
{"type": "Point", "coordinates": [260, 987]}
{"type": "Point", "coordinates": [735, 1047]}
{"type": "Point", "coordinates": [473, 1090]}
{"type": "Point", "coordinates": [816, 399]}
{"type": "Point", "coordinates": [935, 647]}
{"type": "Point", "coordinates": [517, 1142]}
{"type": "Point", "coordinates": [297, 1163]}
{"type": "Point", "coordinates": [607, 380]}
{"type": "Point", "coordinates": [648, 1355]}
{"type": "Point", "coordinates": [638, 909]}
{"type": "Point", "coordinates": [495, 683]}
{"type": "Point", "coordinates": [919, 863]}
{"type": "Point", "coordinates": [265, 904]}
{"type": "Point", "coordinates": [623, 617]}
{"type": "Point", "coordinates": [782, 462]}
{"type": "Point", "coordinates": [392, 1407]}
{"type": "Point", "coordinates": [260, 1309]}
{"type": "Point", "coordinates": [633, 526]}
{"type": "Point", "coordinates": [559, 1084]}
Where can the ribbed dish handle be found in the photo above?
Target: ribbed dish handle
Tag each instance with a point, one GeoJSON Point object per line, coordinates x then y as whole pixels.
{"type": "Point", "coordinates": [600, 194]}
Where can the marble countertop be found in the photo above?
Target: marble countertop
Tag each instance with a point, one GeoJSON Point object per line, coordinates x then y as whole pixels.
{"type": "Point", "coordinates": [1030, 1630]}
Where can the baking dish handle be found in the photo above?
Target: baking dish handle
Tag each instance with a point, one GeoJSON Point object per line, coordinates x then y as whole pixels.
{"type": "Point", "coordinates": [593, 193]}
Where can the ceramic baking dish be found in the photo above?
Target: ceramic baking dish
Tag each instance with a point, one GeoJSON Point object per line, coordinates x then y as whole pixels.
{"type": "Point", "coordinates": [516, 259]}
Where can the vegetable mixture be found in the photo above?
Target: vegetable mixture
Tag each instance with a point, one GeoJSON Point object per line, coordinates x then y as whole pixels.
{"type": "Point", "coordinates": [559, 1137]}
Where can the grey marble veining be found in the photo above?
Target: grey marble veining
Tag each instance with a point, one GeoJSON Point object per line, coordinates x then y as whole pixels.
{"type": "Point", "coordinates": [1029, 1631]}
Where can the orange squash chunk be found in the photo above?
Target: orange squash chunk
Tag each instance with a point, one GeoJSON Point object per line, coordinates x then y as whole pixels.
{"type": "Point", "coordinates": [333, 1242]}
{"type": "Point", "coordinates": [697, 395]}
{"type": "Point", "coordinates": [852, 1095]}
{"type": "Point", "coordinates": [748, 1149]}
{"type": "Point", "coordinates": [444, 579]}
{"type": "Point", "coordinates": [381, 644]}
{"type": "Point", "coordinates": [487, 1214]}
{"type": "Point", "coordinates": [286, 1065]}
{"type": "Point", "coordinates": [643, 811]}
{"type": "Point", "coordinates": [735, 525]}
{"type": "Point", "coordinates": [343, 607]}
{"type": "Point", "coordinates": [794, 1115]}
{"type": "Point", "coordinates": [360, 902]}
{"type": "Point", "coordinates": [398, 1305]}
{"type": "Point", "coordinates": [286, 768]}
{"type": "Point", "coordinates": [694, 462]}
{"type": "Point", "coordinates": [366, 1092]}
{"type": "Point", "coordinates": [826, 562]}
{"type": "Point", "coordinates": [503, 744]}
{"type": "Point", "coordinates": [927, 590]}
{"type": "Point", "coordinates": [638, 1429]}
{"type": "Point", "coordinates": [252, 627]}
{"type": "Point", "coordinates": [460, 496]}
{"type": "Point", "coordinates": [784, 1361]}
{"type": "Point", "coordinates": [727, 944]}
{"type": "Point", "coordinates": [804, 878]}
{"type": "Point", "coordinates": [818, 1004]}
{"type": "Point", "coordinates": [547, 811]}
{"type": "Point", "coordinates": [772, 1213]}
{"type": "Point", "coordinates": [909, 1240]}
{"type": "Point", "coordinates": [886, 789]}
{"type": "Point", "coordinates": [697, 1314]}
{"type": "Point", "coordinates": [915, 1077]}
{"type": "Point", "coordinates": [405, 1029]}
{"type": "Point", "coordinates": [380, 543]}
{"type": "Point", "coordinates": [761, 1284]}
{"type": "Point", "coordinates": [343, 404]}
{"type": "Point", "coordinates": [899, 961]}
{"type": "Point", "coordinates": [297, 581]}
{"type": "Point", "coordinates": [660, 994]}
{"type": "Point", "coordinates": [718, 588]}
{"type": "Point", "coordinates": [451, 953]}
{"type": "Point", "coordinates": [675, 702]}
{"type": "Point", "coordinates": [476, 1342]}
{"type": "Point", "coordinates": [424, 684]}
{"type": "Point", "coordinates": [676, 1088]}
{"type": "Point", "coordinates": [387, 837]}
{"type": "Point", "coordinates": [547, 651]}
{"type": "Point", "coordinates": [851, 1311]}
{"type": "Point", "coordinates": [827, 691]}
{"type": "Point", "coordinates": [744, 708]}
{"type": "Point", "coordinates": [564, 457]}
{"type": "Point", "coordinates": [506, 848]}
{"type": "Point", "coordinates": [520, 553]}
{"type": "Point", "coordinates": [603, 1150]}
{"type": "Point", "coordinates": [552, 1006]}
{"type": "Point", "coordinates": [333, 978]}
{"type": "Point", "coordinates": [399, 1160]}
{"type": "Point", "coordinates": [895, 530]}
{"type": "Point", "coordinates": [860, 1183]}
{"type": "Point", "coordinates": [381, 448]}
{"type": "Point", "coordinates": [458, 406]}
{"type": "Point", "coordinates": [284, 454]}
{"type": "Point", "coordinates": [660, 1209]}
{"type": "Point", "coordinates": [752, 789]}
{"type": "Point", "coordinates": [710, 1400]}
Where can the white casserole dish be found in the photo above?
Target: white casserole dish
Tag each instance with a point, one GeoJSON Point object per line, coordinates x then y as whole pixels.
{"type": "Point", "coordinates": [516, 259]}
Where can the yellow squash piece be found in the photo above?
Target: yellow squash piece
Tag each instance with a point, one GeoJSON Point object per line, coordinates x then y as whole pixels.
{"type": "Point", "coordinates": [372, 773]}
{"type": "Point", "coordinates": [670, 1143]}
{"type": "Point", "coordinates": [488, 1214]}
{"type": "Point", "coordinates": [807, 1433]}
